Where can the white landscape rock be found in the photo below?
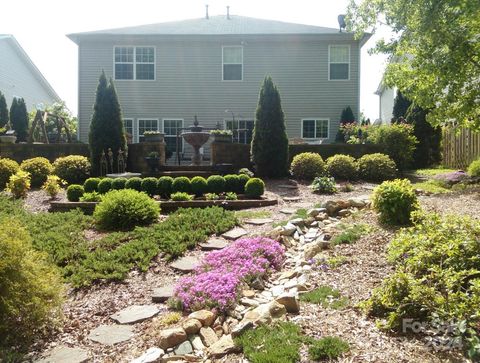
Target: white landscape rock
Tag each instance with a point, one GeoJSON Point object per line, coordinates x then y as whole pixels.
{"type": "Point", "coordinates": [151, 355]}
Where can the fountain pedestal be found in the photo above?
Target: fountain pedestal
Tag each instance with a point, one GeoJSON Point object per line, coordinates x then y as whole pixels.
{"type": "Point", "coordinates": [197, 138]}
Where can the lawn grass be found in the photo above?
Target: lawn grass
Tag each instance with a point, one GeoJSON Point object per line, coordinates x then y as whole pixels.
{"type": "Point", "coordinates": [350, 233]}
{"type": "Point", "coordinates": [251, 214]}
{"type": "Point", "coordinates": [432, 186]}
{"type": "Point", "coordinates": [433, 171]}
{"type": "Point", "coordinates": [325, 296]}
{"type": "Point", "coordinates": [328, 348]}
{"type": "Point", "coordinates": [299, 213]}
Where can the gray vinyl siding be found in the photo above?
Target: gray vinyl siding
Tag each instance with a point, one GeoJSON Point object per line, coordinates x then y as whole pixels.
{"type": "Point", "coordinates": [189, 80]}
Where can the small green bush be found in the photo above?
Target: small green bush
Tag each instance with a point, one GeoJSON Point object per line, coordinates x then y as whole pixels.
{"type": "Point", "coordinates": [198, 185]}
{"type": "Point", "coordinates": [328, 348]}
{"type": "Point", "coordinates": [247, 172]}
{"type": "Point", "coordinates": [52, 186]}
{"type": "Point", "coordinates": [91, 197]}
{"type": "Point", "coordinates": [39, 168]}
{"type": "Point", "coordinates": [8, 167]}
{"type": "Point", "coordinates": [342, 167]}
{"type": "Point", "coordinates": [119, 183]}
{"type": "Point", "coordinates": [232, 183]}
{"type": "Point", "coordinates": [105, 185]}
{"type": "Point", "coordinates": [255, 188]}
{"type": "Point", "coordinates": [324, 185]}
{"type": "Point", "coordinates": [395, 201]}
{"type": "Point", "coordinates": [125, 209]}
{"type": "Point", "coordinates": [242, 180]}
{"type": "Point", "coordinates": [212, 196]}
{"type": "Point", "coordinates": [75, 192]}
{"type": "Point", "coordinates": [474, 168]}
{"type": "Point", "coordinates": [231, 196]}
{"type": "Point", "coordinates": [91, 185]}
{"type": "Point", "coordinates": [19, 184]}
{"type": "Point", "coordinates": [164, 186]}
{"type": "Point", "coordinates": [307, 166]}
{"type": "Point", "coordinates": [149, 186]}
{"type": "Point", "coordinates": [376, 167]}
{"type": "Point", "coordinates": [74, 169]}
{"type": "Point", "coordinates": [181, 196]}
{"type": "Point", "coordinates": [216, 184]}
{"type": "Point", "coordinates": [134, 183]}
{"type": "Point", "coordinates": [181, 184]}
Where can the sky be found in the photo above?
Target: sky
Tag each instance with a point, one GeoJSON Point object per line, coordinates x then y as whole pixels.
{"type": "Point", "coordinates": [40, 26]}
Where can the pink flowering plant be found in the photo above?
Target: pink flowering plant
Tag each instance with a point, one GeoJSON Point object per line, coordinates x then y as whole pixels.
{"type": "Point", "coordinates": [218, 280]}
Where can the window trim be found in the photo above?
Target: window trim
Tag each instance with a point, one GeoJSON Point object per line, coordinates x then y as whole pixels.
{"type": "Point", "coordinates": [238, 120]}
{"type": "Point", "coordinates": [137, 126]}
{"type": "Point", "coordinates": [316, 119]}
{"type": "Point", "coordinates": [174, 119]}
{"type": "Point", "coordinates": [349, 61]}
{"type": "Point", "coordinates": [223, 64]}
{"type": "Point", "coordinates": [135, 62]}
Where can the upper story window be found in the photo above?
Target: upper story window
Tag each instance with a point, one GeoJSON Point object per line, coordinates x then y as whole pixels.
{"type": "Point", "coordinates": [339, 62]}
{"type": "Point", "coordinates": [135, 63]}
{"type": "Point", "coordinates": [315, 128]}
{"type": "Point", "coordinates": [232, 58]}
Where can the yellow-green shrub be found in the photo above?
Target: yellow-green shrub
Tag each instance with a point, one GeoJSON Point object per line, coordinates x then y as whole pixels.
{"type": "Point", "coordinates": [39, 168]}
{"type": "Point", "coordinates": [19, 184]}
{"type": "Point", "coordinates": [474, 168]}
{"type": "Point", "coordinates": [307, 166]}
{"type": "Point", "coordinates": [342, 167]}
{"type": "Point", "coordinates": [8, 167]}
{"type": "Point", "coordinates": [74, 169]}
{"type": "Point", "coordinates": [52, 186]}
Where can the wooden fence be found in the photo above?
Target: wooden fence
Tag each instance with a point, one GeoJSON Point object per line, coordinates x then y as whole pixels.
{"type": "Point", "coordinates": [460, 147]}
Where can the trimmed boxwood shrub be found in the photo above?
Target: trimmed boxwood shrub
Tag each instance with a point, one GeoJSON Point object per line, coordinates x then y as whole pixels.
{"type": "Point", "coordinates": [125, 209]}
{"type": "Point", "coordinates": [74, 169]}
{"type": "Point", "coordinates": [376, 167]}
{"type": "Point", "coordinates": [105, 185]}
{"type": "Point", "coordinates": [75, 192]}
{"type": "Point", "coordinates": [216, 184]}
{"type": "Point", "coordinates": [164, 186]}
{"type": "Point", "coordinates": [198, 185]}
{"type": "Point", "coordinates": [242, 180]}
{"type": "Point", "coordinates": [232, 183]}
{"type": "Point", "coordinates": [342, 167]}
{"type": "Point", "coordinates": [91, 185]}
{"type": "Point", "coordinates": [8, 167]}
{"type": "Point", "coordinates": [119, 183]}
{"type": "Point", "coordinates": [39, 168]}
{"type": "Point", "coordinates": [255, 188]}
{"type": "Point", "coordinates": [134, 183]}
{"type": "Point", "coordinates": [307, 166]}
{"type": "Point", "coordinates": [181, 184]}
{"type": "Point", "coordinates": [149, 186]}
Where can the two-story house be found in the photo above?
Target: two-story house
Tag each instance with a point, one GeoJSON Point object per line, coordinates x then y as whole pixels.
{"type": "Point", "coordinates": [213, 67]}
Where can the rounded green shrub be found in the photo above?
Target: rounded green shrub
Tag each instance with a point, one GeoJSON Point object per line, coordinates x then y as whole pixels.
{"type": "Point", "coordinates": [242, 180]}
{"type": "Point", "coordinates": [134, 183]}
{"type": "Point", "coordinates": [474, 168]}
{"type": "Point", "coordinates": [307, 166]}
{"type": "Point", "coordinates": [91, 185]}
{"type": "Point", "coordinates": [119, 183]}
{"type": "Point", "coordinates": [376, 167]}
{"type": "Point", "coordinates": [232, 183]}
{"type": "Point", "coordinates": [164, 186]}
{"type": "Point", "coordinates": [216, 184]}
{"type": "Point", "coordinates": [8, 167]}
{"type": "Point", "coordinates": [181, 184]}
{"type": "Point", "coordinates": [342, 167]}
{"type": "Point", "coordinates": [91, 197]}
{"type": "Point", "coordinates": [395, 200]}
{"type": "Point", "coordinates": [74, 169]}
{"type": "Point", "coordinates": [149, 186]}
{"type": "Point", "coordinates": [247, 172]}
{"type": "Point", "coordinates": [255, 188]}
{"type": "Point", "coordinates": [75, 192]}
{"type": "Point", "coordinates": [105, 185]}
{"type": "Point", "coordinates": [125, 209]}
{"type": "Point", "coordinates": [198, 185]}
{"type": "Point", "coordinates": [39, 168]}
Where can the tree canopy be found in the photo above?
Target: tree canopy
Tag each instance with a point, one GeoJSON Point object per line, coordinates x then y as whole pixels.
{"type": "Point", "coordinates": [435, 55]}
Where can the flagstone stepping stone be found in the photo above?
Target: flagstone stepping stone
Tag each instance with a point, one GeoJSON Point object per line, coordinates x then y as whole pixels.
{"type": "Point", "coordinates": [135, 314]}
{"type": "Point", "coordinates": [111, 334]}
{"type": "Point", "coordinates": [235, 233]}
{"type": "Point", "coordinates": [287, 211]}
{"type": "Point", "coordinates": [214, 244]}
{"type": "Point", "coordinates": [292, 199]}
{"type": "Point", "coordinates": [258, 221]}
{"type": "Point", "coordinates": [151, 355]}
{"type": "Point", "coordinates": [185, 264]}
{"type": "Point", "coordinates": [162, 294]}
{"type": "Point", "coordinates": [63, 354]}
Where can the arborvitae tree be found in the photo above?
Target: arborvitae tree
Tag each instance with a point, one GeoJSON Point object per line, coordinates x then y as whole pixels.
{"type": "Point", "coordinates": [270, 142]}
{"type": "Point", "coordinates": [3, 111]}
{"type": "Point", "coordinates": [346, 117]}
{"type": "Point", "coordinates": [19, 119]}
{"type": "Point", "coordinates": [400, 107]}
{"type": "Point", "coordinates": [106, 127]}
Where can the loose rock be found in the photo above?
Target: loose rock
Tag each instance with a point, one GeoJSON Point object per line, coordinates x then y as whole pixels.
{"type": "Point", "coordinates": [206, 317]}
{"type": "Point", "coordinates": [169, 338]}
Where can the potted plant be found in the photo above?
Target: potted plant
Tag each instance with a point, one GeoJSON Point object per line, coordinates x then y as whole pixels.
{"type": "Point", "coordinates": [153, 161]}
{"type": "Point", "coordinates": [222, 135]}
{"type": "Point", "coordinates": [7, 135]}
{"type": "Point", "coordinates": [153, 136]}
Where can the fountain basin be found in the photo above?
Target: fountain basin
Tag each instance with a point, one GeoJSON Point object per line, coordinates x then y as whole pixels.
{"type": "Point", "coordinates": [196, 139]}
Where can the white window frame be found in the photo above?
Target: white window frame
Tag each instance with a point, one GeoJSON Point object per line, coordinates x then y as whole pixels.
{"type": "Point", "coordinates": [225, 121]}
{"type": "Point", "coordinates": [137, 126]}
{"type": "Point", "coordinates": [133, 126]}
{"type": "Point", "coordinates": [182, 125]}
{"type": "Point", "coordinates": [135, 62]}
{"type": "Point", "coordinates": [316, 119]}
{"type": "Point", "coordinates": [223, 63]}
{"type": "Point", "coordinates": [349, 61]}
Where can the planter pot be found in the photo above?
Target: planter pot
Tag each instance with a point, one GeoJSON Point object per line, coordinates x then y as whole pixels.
{"type": "Point", "coordinates": [153, 163]}
{"type": "Point", "coordinates": [8, 139]}
{"type": "Point", "coordinates": [222, 138]}
{"type": "Point", "coordinates": [153, 138]}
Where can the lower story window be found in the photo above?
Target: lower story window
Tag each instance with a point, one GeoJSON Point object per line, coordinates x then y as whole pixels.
{"type": "Point", "coordinates": [170, 128]}
{"type": "Point", "coordinates": [128, 126]}
{"type": "Point", "coordinates": [315, 128]}
{"type": "Point", "coordinates": [147, 125]}
{"type": "Point", "coordinates": [242, 130]}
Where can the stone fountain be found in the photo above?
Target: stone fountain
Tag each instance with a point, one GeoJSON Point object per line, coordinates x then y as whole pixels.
{"type": "Point", "coordinates": [196, 137]}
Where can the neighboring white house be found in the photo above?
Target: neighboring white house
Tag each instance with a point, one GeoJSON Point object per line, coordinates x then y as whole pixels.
{"type": "Point", "coordinates": [387, 98]}
{"type": "Point", "coordinates": [19, 77]}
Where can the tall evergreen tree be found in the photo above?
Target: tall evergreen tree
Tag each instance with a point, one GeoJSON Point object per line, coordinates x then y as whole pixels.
{"type": "Point", "coordinates": [19, 119]}
{"type": "Point", "coordinates": [400, 107]}
{"type": "Point", "coordinates": [270, 143]}
{"type": "Point", "coordinates": [3, 111]}
{"type": "Point", "coordinates": [106, 127]}
{"type": "Point", "coordinates": [346, 117]}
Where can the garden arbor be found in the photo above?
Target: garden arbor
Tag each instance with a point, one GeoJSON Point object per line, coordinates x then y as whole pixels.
{"type": "Point", "coordinates": [40, 121]}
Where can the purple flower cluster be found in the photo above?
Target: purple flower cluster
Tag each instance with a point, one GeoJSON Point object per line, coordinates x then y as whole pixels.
{"type": "Point", "coordinates": [217, 281]}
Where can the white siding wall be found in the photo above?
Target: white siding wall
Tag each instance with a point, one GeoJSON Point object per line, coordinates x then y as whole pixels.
{"type": "Point", "coordinates": [387, 98]}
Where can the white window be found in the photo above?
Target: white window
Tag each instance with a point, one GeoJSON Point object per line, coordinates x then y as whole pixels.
{"type": "Point", "coordinates": [135, 63]}
{"type": "Point", "coordinates": [232, 59]}
{"type": "Point", "coordinates": [146, 124]}
{"type": "Point", "coordinates": [339, 62]}
{"type": "Point", "coordinates": [128, 125]}
{"type": "Point", "coordinates": [315, 128]}
{"type": "Point", "coordinates": [170, 128]}
{"type": "Point", "coordinates": [242, 130]}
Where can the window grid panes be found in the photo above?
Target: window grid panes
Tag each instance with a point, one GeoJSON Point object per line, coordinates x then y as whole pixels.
{"type": "Point", "coordinates": [147, 125]}
{"type": "Point", "coordinates": [128, 125]}
{"type": "Point", "coordinates": [170, 128]}
{"type": "Point", "coordinates": [315, 129]}
{"type": "Point", "coordinates": [242, 130]}
{"type": "Point", "coordinates": [135, 63]}
{"type": "Point", "coordinates": [232, 63]}
{"type": "Point", "coordinates": [339, 62]}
